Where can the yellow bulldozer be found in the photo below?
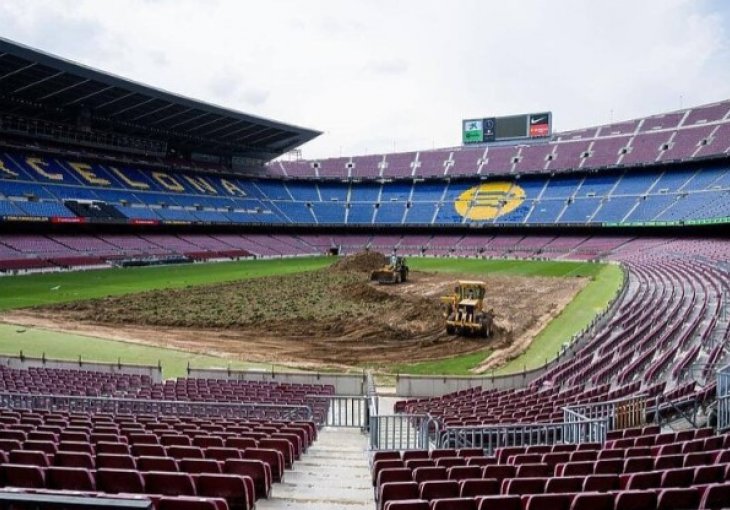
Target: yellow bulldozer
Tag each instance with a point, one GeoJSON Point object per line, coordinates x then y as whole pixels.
{"type": "Point", "coordinates": [395, 271]}
{"type": "Point", "coordinates": [464, 310]}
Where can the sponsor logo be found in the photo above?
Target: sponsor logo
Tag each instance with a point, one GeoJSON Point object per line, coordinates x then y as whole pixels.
{"type": "Point", "coordinates": [539, 120]}
{"type": "Point", "coordinates": [61, 219]}
{"type": "Point", "coordinates": [144, 222]}
{"type": "Point", "coordinates": [489, 201]}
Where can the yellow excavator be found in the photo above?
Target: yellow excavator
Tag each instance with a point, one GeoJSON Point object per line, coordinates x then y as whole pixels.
{"type": "Point", "coordinates": [395, 271]}
{"type": "Point", "coordinates": [464, 310]}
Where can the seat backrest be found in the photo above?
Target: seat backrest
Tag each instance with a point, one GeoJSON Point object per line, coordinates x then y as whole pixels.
{"type": "Point", "coordinates": [382, 455]}
{"type": "Point", "coordinates": [25, 476]}
{"type": "Point", "coordinates": [678, 499]}
{"type": "Point", "coordinates": [114, 461]}
{"type": "Point", "coordinates": [143, 438]}
{"type": "Point", "coordinates": [74, 459]}
{"type": "Point", "coordinates": [643, 481]}
{"type": "Point", "coordinates": [113, 448]}
{"type": "Point", "coordinates": [601, 483]}
{"type": "Point", "coordinates": [592, 501]}
{"type": "Point", "coordinates": [583, 455]}
{"type": "Point", "coordinates": [259, 471]}
{"type": "Point", "coordinates": [120, 480]}
{"type": "Point", "coordinates": [273, 458]}
{"type": "Point", "coordinates": [609, 466]}
{"type": "Point", "coordinates": [175, 440]}
{"type": "Point", "coordinates": [148, 450]}
{"type": "Point", "coordinates": [393, 475]}
{"type": "Point", "coordinates": [397, 491]}
{"type": "Point", "coordinates": [407, 504]}
{"type": "Point", "coordinates": [188, 503]}
{"type": "Point", "coordinates": [248, 442]}
{"type": "Point", "coordinates": [635, 500]}
{"type": "Point", "coordinates": [499, 471]}
{"type": "Point", "coordinates": [221, 453]}
{"type": "Point", "coordinates": [564, 484]}
{"type": "Point", "coordinates": [384, 464]}
{"type": "Point", "coordinates": [70, 478]}
{"type": "Point", "coordinates": [547, 502]}
{"type": "Point", "coordinates": [709, 474]}
{"type": "Point", "coordinates": [168, 464]}
{"type": "Point", "coordinates": [29, 457]}
{"type": "Point", "coordinates": [448, 462]}
{"type": "Point", "coordinates": [415, 454]}
{"type": "Point", "coordinates": [678, 477]}
{"type": "Point", "coordinates": [199, 466]}
{"type": "Point", "coordinates": [438, 489]}
{"type": "Point", "coordinates": [463, 472]}
{"type": "Point", "coordinates": [533, 470]}
{"type": "Point", "coordinates": [502, 502]}
{"type": "Point", "coordinates": [716, 496]}
{"type": "Point", "coordinates": [41, 446]}
{"type": "Point", "coordinates": [230, 487]}
{"type": "Point", "coordinates": [697, 459]}
{"type": "Point", "coordinates": [412, 464]}
{"type": "Point", "coordinates": [669, 461]}
{"type": "Point", "coordinates": [424, 474]}
{"type": "Point", "coordinates": [454, 504]}
{"type": "Point", "coordinates": [169, 484]}
{"type": "Point", "coordinates": [184, 452]}
{"type": "Point", "coordinates": [472, 487]}
{"type": "Point", "coordinates": [576, 468]}
{"type": "Point", "coordinates": [523, 486]}
{"type": "Point", "coordinates": [638, 464]}
{"type": "Point", "coordinates": [207, 441]}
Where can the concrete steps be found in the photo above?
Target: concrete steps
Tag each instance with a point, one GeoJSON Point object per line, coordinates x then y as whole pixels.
{"type": "Point", "coordinates": [333, 475]}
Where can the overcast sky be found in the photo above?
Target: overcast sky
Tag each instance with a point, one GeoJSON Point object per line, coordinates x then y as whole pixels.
{"type": "Point", "coordinates": [379, 75]}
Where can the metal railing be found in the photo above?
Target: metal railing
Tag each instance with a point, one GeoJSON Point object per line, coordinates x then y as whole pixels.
{"type": "Point", "coordinates": [723, 399]}
{"type": "Point", "coordinates": [618, 414]}
{"type": "Point", "coordinates": [159, 407]}
{"type": "Point", "coordinates": [18, 499]}
{"type": "Point", "coordinates": [402, 432]}
{"type": "Point", "coordinates": [491, 437]}
{"type": "Point", "coordinates": [341, 410]}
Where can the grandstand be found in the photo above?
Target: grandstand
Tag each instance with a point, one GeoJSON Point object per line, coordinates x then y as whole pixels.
{"type": "Point", "coordinates": [97, 171]}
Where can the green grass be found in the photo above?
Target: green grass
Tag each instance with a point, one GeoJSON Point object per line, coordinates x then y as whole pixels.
{"type": "Point", "coordinates": [578, 314]}
{"type": "Point", "coordinates": [455, 365]}
{"type": "Point", "coordinates": [47, 288]}
{"type": "Point", "coordinates": [35, 342]}
{"type": "Point", "coordinates": [506, 267]}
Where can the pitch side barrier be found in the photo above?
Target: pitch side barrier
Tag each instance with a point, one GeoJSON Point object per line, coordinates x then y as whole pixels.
{"type": "Point", "coordinates": [412, 386]}
{"type": "Point", "coordinates": [155, 407]}
{"type": "Point", "coordinates": [24, 362]}
{"type": "Point", "coordinates": [723, 399]}
{"type": "Point", "coordinates": [344, 384]}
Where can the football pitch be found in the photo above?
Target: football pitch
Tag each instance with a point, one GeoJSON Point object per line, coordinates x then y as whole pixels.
{"type": "Point", "coordinates": [49, 288]}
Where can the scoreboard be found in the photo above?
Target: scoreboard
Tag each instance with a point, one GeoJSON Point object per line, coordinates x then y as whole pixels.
{"type": "Point", "coordinates": [513, 127]}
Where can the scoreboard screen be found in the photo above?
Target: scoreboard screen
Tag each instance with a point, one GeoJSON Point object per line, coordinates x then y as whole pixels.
{"type": "Point", "coordinates": [513, 127]}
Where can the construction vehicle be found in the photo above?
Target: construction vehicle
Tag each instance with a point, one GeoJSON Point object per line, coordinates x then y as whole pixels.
{"type": "Point", "coordinates": [395, 271]}
{"type": "Point", "coordinates": [464, 312]}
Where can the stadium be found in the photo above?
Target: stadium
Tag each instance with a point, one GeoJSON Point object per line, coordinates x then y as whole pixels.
{"type": "Point", "coordinates": [196, 310]}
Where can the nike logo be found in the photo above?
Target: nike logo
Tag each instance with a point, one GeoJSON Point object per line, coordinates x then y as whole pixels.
{"type": "Point", "coordinates": [538, 120]}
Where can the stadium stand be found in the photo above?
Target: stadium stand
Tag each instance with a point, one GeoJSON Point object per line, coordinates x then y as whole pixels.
{"type": "Point", "coordinates": [682, 470]}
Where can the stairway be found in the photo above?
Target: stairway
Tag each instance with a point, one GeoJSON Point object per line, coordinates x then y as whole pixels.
{"type": "Point", "coordinates": [332, 475]}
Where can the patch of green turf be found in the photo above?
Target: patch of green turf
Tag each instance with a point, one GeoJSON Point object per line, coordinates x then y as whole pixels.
{"type": "Point", "coordinates": [35, 342]}
{"type": "Point", "coordinates": [46, 288]}
{"type": "Point", "coordinates": [574, 317]}
{"type": "Point", "coordinates": [506, 267]}
{"type": "Point", "coordinates": [459, 365]}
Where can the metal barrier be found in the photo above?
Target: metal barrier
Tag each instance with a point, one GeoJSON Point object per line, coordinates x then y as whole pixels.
{"type": "Point", "coordinates": [618, 414]}
{"type": "Point", "coordinates": [491, 437]}
{"type": "Point", "coordinates": [342, 411]}
{"type": "Point", "coordinates": [175, 407]}
{"type": "Point", "coordinates": [20, 500]}
{"type": "Point", "coordinates": [723, 399]}
{"type": "Point", "coordinates": [402, 432]}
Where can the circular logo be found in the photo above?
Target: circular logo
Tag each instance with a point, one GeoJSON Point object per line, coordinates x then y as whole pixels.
{"type": "Point", "coordinates": [490, 200]}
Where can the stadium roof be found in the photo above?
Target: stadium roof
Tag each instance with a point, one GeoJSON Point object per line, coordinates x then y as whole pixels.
{"type": "Point", "coordinates": [32, 81]}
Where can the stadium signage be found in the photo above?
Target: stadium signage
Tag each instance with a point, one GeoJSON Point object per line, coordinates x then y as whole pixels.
{"type": "Point", "coordinates": [513, 127]}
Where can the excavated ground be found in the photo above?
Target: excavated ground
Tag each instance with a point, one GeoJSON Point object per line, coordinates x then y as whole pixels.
{"type": "Point", "coordinates": [331, 318]}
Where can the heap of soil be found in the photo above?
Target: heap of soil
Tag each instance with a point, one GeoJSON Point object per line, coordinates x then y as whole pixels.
{"type": "Point", "coordinates": [361, 262]}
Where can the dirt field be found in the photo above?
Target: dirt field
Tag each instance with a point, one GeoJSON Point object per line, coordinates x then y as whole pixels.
{"type": "Point", "coordinates": [332, 318]}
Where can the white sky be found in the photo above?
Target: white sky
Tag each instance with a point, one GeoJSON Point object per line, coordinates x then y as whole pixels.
{"type": "Point", "coordinates": [379, 75]}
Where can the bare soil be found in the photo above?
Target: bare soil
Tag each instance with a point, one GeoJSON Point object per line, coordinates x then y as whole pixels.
{"type": "Point", "coordinates": [331, 318]}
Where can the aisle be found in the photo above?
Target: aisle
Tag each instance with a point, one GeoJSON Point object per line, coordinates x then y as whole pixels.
{"type": "Point", "coordinates": [332, 475]}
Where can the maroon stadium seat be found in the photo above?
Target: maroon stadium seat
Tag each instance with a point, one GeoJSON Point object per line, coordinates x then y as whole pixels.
{"type": "Point", "coordinates": [237, 490]}
{"type": "Point", "coordinates": [678, 499]}
{"type": "Point", "coordinates": [70, 478]}
{"type": "Point", "coordinates": [454, 504]}
{"type": "Point", "coordinates": [169, 484]}
{"type": "Point", "coordinates": [438, 489]}
{"type": "Point", "coordinates": [473, 487]}
{"type": "Point", "coordinates": [120, 481]}
{"type": "Point", "coordinates": [257, 470]}
{"type": "Point", "coordinates": [635, 500]}
{"type": "Point", "coordinates": [28, 477]}
{"type": "Point", "coordinates": [397, 491]}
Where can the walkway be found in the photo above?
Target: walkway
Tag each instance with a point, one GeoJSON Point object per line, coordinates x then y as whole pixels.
{"type": "Point", "coordinates": [332, 475]}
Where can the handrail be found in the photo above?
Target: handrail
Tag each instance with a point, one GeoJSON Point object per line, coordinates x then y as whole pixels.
{"type": "Point", "coordinates": [131, 405]}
